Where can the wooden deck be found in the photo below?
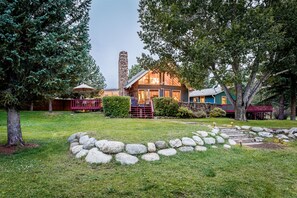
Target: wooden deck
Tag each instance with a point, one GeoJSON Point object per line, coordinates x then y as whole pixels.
{"type": "Point", "coordinates": [86, 104]}
{"type": "Point", "coordinates": [142, 110]}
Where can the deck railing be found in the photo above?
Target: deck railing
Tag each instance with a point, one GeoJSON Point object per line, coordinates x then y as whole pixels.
{"type": "Point", "coordinates": [86, 104]}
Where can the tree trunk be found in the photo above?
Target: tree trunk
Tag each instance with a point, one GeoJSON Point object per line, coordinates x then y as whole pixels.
{"type": "Point", "coordinates": [32, 106]}
{"type": "Point", "coordinates": [240, 113]}
{"type": "Point", "coordinates": [50, 106]}
{"type": "Point", "coordinates": [293, 97]}
{"type": "Point", "coordinates": [14, 132]}
{"type": "Point", "coordinates": [281, 111]}
{"type": "Point", "coordinates": [240, 109]}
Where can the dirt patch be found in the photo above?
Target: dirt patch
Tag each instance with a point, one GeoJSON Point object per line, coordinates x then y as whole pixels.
{"type": "Point", "coordinates": [268, 145]}
{"type": "Point", "coordinates": [8, 150]}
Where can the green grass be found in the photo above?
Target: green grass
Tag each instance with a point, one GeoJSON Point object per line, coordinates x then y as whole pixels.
{"type": "Point", "coordinates": [51, 171]}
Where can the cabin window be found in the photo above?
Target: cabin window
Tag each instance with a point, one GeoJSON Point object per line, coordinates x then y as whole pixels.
{"type": "Point", "coordinates": [202, 99]}
{"type": "Point", "coordinates": [167, 93]}
{"type": "Point", "coordinates": [224, 100]}
{"type": "Point", "coordinates": [176, 95]}
{"type": "Point", "coordinates": [144, 96]}
{"type": "Point", "coordinates": [170, 80]}
{"type": "Point", "coordinates": [150, 79]}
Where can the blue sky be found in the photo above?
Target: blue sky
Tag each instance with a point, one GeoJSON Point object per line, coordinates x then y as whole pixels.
{"type": "Point", "coordinates": [113, 28]}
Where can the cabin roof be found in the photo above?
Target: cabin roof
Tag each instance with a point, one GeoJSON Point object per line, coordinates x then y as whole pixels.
{"type": "Point", "coordinates": [206, 92]}
{"type": "Point", "coordinates": [136, 78]}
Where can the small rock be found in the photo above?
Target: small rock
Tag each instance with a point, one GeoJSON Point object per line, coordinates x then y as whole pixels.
{"type": "Point", "coordinates": [72, 138]}
{"type": "Point", "coordinates": [293, 130]}
{"type": "Point", "coordinates": [202, 133]}
{"type": "Point", "coordinates": [278, 131]}
{"type": "Point", "coordinates": [224, 135]}
{"type": "Point", "coordinates": [213, 146]}
{"type": "Point", "coordinates": [198, 140]}
{"type": "Point", "coordinates": [220, 140]}
{"type": "Point", "coordinates": [231, 142]}
{"type": "Point", "coordinates": [76, 149]}
{"type": "Point", "coordinates": [258, 139]}
{"type": "Point", "coordinates": [267, 130]}
{"type": "Point", "coordinates": [73, 144]}
{"type": "Point", "coordinates": [252, 134]}
{"type": "Point", "coordinates": [215, 130]}
{"type": "Point", "coordinates": [83, 139]}
{"type": "Point", "coordinates": [80, 134]}
{"type": "Point", "coordinates": [257, 129]}
{"type": "Point", "coordinates": [126, 159]}
{"type": "Point", "coordinates": [135, 149]}
{"type": "Point", "coordinates": [100, 143]}
{"type": "Point", "coordinates": [209, 140]}
{"type": "Point", "coordinates": [286, 131]}
{"type": "Point", "coordinates": [97, 157]}
{"type": "Point", "coordinates": [293, 136]}
{"type": "Point", "coordinates": [200, 148]}
{"type": "Point", "coordinates": [286, 140]}
{"type": "Point", "coordinates": [245, 127]}
{"type": "Point", "coordinates": [237, 127]}
{"type": "Point", "coordinates": [212, 134]}
{"type": "Point", "coordinates": [167, 152]}
{"type": "Point", "coordinates": [175, 143]}
{"type": "Point", "coordinates": [150, 157]}
{"type": "Point", "coordinates": [112, 147]}
{"type": "Point", "coordinates": [186, 148]}
{"type": "Point", "coordinates": [90, 143]}
{"type": "Point", "coordinates": [161, 144]}
{"type": "Point", "coordinates": [188, 141]}
{"type": "Point", "coordinates": [226, 146]}
{"type": "Point", "coordinates": [265, 134]}
{"type": "Point", "coordinates": [151, 147]}
{"type": "Point", "coordinates": [282, 136]}
{"type": "Point", "coordinates": [82, 153]}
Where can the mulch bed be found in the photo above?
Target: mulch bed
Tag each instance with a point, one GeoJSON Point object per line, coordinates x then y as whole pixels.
{"type": "Point", "coordinates": [8, 150]}
{"type": "Point", "coordinates": [268, 145]}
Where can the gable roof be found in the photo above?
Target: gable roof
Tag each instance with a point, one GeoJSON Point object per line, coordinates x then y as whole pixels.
{"type": "Point", "coordinates": [206, 92]}
{"type": "Point", "coordinates": [136, 78]}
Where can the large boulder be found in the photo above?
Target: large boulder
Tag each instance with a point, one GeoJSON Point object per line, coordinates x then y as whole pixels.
{"type": "Point", "coordinates": [220, 140]}
{"type": "Point", "coordinates": [167, 152]}
{"type": "Point", "coordinates": [90, 143]}
{"type": "Point", "coordinates": [100, 143]}
{"type": "Point", "coordinates": [209, 140]}
{"type": "Point", "coordinates": [186, 148]}
{"type": "Point", "coordinates": [82, 153]}
{"type": "Point", "coordinates": [161, 144]}
{"type": "Point", "coordinates": [112, 147]}
{"type": "Point", "coordinates": [83, 139]}
{"type": "Point", "coordinates": [126, 159]}
{"type": "Point", "coordinates": [76, 149]}
{"type": "Point", "coordinates": [150, 157]}
{"type": "Point", "coordinates": [175, 143]}
{"type": "Point", "coordinates": [257, 129]}
{"type": "Point", "coordinates": [135, 149]}
{"type": "Point", "coordinates": [151, 147]}
{"type": "Point", "coordinates": [265, 134]}
{"type": "Point", "coordinates": [97, 157]}
{"type": "Point", "coordinates": [188, 141]}
{"type": "Point", "coordinates": [198, 140]}
{"type": "Point", "coordinates": [200, 148]}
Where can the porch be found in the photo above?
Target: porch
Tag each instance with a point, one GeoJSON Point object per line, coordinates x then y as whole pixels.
{"type": "Point", "coordinates": [86, 104]}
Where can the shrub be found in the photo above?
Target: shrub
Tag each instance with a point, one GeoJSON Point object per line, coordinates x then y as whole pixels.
{"type": "Point", "coordinates": [184, 112]}
{"type": "Point", "coordinates": [217, 112]}
{"type": "Point", "coordinates": [200, 114]}
{"type": "Point", "coordinates": [116, 106]}
{"type": "Point", "coordinates": [165, 106]}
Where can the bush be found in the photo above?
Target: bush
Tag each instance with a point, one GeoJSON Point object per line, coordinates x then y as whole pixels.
{"type": "Point", "coordinates": [116, 106]}
{"type": "Point", "coordinates": [200, 114]}
{"type": "Point", "coordinates": [165, 106]}
{"type": "Point", "coordinates": [217, 112]}
{"type": "Point", "coordinates": [184, 112]}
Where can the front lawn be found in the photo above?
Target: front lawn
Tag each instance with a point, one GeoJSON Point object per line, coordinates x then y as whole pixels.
{"type": "Point", "coordinates": [51, 171]}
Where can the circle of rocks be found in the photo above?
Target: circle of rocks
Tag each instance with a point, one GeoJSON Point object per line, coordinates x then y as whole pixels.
{"type": "Point", "coordinates": [103, 151]}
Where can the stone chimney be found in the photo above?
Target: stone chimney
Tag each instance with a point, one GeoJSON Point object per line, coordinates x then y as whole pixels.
{"type": "Point", "coordinates": [123, 72]}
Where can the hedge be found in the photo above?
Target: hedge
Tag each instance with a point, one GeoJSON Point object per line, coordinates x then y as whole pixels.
{"type": "Point", "coordinates": [116, 106]}
{"type": "Point", "coordinates": [165, 106]}
{"type": "Point", "coordinates": [217, 112]}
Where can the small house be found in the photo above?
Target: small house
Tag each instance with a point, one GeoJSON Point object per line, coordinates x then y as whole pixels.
{"type": "Point", "coordinates": [214, 95]}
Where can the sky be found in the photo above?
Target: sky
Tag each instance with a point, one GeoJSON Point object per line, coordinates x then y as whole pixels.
{"type": "Point", "coordinates": [113, 28]}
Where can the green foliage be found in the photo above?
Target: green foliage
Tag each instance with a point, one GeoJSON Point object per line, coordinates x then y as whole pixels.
{"type": "Point", "coordinates": [165, 106]}
{"type": "Point", "coordinates": [200, 114]}
{"type": "Point", "coordinates": [116, 106]}
{"type": "Point", "coordinates": [217, 112]}
{"type": "Point", "coordinates": [135, 69]}
{"type": "Point", "coordinates": [184, 112]}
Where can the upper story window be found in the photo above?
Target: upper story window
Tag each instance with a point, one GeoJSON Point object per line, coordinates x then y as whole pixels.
{"type": "Point", "coordinates": [150, 79]}
{"type": "Point", "coordinates": [170, 80]}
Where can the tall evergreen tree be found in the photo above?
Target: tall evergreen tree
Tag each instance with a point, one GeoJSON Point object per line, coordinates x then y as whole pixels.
{"type": "Point", "coordinates": [234, 40]}
{"type": "Point", "coordinates": [43, 44]}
